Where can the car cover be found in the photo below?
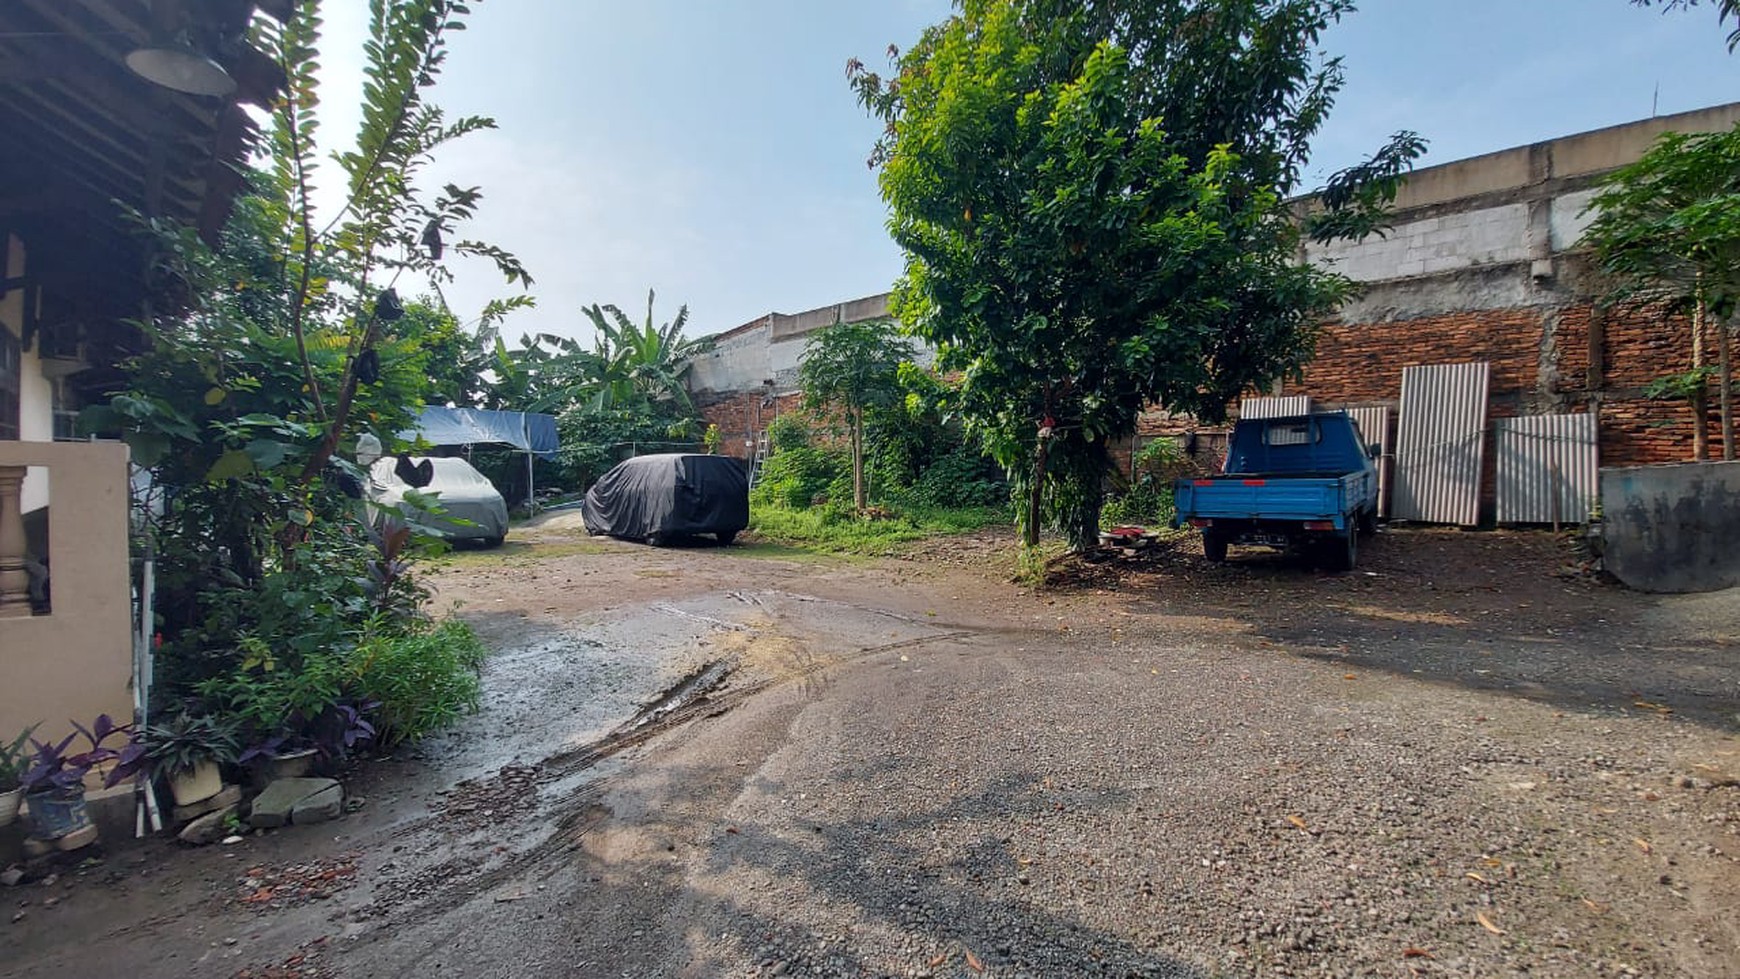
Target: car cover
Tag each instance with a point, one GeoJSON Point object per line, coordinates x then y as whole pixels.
{"type": "Point", "coordinates": [470, 505]}
{"type": "Point", "coordinates": [669, 495]}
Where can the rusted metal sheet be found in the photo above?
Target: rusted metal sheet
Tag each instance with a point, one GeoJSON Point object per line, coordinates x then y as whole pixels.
{"type": "Point", "coordinates": [1289, 407]}
{"type": "Point", "coordinates": [1546, 468]}
{"type": "Point", "coordinates": [1374, 426]}
{"type": "Point", "coordinates": [1441, 444]}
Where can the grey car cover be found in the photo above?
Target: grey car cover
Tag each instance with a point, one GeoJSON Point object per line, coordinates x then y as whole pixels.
{"type": "Point", "coordinates": [669, 495]}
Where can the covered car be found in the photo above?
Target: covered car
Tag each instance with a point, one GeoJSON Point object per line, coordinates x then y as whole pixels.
{"type": "Point", "coordinates": [659, 497]}
{"type": "Point", "coordinates": [470, 506]}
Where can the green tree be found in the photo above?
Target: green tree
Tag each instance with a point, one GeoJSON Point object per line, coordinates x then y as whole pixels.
{"type": "Point", "coordinates": [643, 362]}
{"type": "Point", "coordinates": [1093, 204]}
{"type": "Point", "coordinates": [854, 367]}
{"type": "Point", "coordinates": [1726, 10]}
{"type": "Point", "coordinates": [1668, 227]}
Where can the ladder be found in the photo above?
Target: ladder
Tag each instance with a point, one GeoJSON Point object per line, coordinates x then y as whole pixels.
{"type": "Point", "coordinates": [760, 457]}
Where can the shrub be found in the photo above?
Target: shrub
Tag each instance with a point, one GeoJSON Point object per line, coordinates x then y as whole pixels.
{"type": "Point", "coordinates": [795, 476]}
{"type": "Point", "coordinates": [422, 681]}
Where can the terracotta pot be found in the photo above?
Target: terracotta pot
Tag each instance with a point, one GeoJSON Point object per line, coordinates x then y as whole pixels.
{"type": "Point", "coordinates": [57, 813]}
{"type": "Point", "coordinates": [198, 784]}
{"type": "Point", "coordinates": [9, 801]}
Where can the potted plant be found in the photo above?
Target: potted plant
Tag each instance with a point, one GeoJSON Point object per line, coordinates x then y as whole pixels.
{"type": "Point", "coordinates": [54, 783]}
{"type": "Point", "coordinates": [279, 756]}
{"type": "Point", "coordinates": [14, 761]}
{"type": "Point", "coordinates": [189, 751]}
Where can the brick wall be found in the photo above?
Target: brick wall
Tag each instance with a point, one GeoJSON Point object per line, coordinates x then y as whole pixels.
{"type": "Point", "coordinates": [1540, 360]}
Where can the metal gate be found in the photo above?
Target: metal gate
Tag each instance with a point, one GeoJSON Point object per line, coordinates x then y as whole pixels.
{"type": "Point", "coordinates": [1441, 444]}
{"type": "Point", "coordinates": [1546, 468]}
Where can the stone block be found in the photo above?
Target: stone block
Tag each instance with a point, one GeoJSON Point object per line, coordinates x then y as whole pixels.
{"type": "Point", "coordinates": [227, 798]}
{"type": "Point", "coordinates": [273, 807]}
{"type": "Point", "coordinates": [210, 827]}
{"type": "Point", "coordinates": [319, 807]}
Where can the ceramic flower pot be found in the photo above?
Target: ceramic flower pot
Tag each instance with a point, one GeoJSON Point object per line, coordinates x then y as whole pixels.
{"type": "Point", "coordinates": [57, 812]}
{"type": "Point", "coordinates": [197, 784]}
{"type": "Point", "coordinates": [9, 801]}
{"type": "Point", "coordinates": [293, 765]}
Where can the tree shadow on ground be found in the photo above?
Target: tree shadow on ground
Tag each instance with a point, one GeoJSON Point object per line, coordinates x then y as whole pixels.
{"type": "Point", "coordinates": [1507, 612]}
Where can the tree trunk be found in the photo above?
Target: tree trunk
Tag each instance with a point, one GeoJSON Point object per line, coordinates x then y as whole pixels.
{"type": "Point", "coordinates": [1036, 495]}
{"type": "Point", "coordinates": [1700, 400]}
{"type": "Point", "coordinates": [859, 497]}
{"type": "Point", "coordinates": [1726, 379]}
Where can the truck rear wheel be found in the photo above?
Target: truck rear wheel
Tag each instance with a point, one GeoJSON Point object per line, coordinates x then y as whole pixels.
{"type": "Point", "coordinates": [1214, 546]}
{"type": "Point", "coordinates": [1340, 553]}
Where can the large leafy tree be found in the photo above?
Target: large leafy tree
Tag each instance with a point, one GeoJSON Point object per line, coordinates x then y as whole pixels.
{"type": "Point", "coordinates": [854, 367]}
{"type": "Point", "coordinates": [1093, 200]}
{"type": "Point", "coordinates": [1668, 227]}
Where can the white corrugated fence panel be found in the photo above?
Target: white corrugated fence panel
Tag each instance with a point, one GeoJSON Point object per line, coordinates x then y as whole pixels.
{"type": "Point", "coordinates": [1374, 426]}
{"type": "Point", "coordinates": [1288, 407]}
{"type": "Point", "coordinates": [1547, 467]}
{"type": "Point", "coordinates": [1440, 443]}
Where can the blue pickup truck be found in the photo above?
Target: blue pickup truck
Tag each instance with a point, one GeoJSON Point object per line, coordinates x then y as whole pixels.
{"type": "Point", "coordinates": [1306, 483]}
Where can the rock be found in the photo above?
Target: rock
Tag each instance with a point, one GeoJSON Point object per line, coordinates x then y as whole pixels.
{"type": "Point", "coordinates": [12, 876]}
{"type": "Point", "coordinates": [77, 839]}
{"type": "Point", "coordinates": [208, 828]}
{"type": "Point", "coordinates": [231, 840]}
{"type": "Point", "coordinates": [273, 807]}
{"type": "Point", "coordinates": [227, 798]}
{"type": "Point", "coordinates": [326, 804]}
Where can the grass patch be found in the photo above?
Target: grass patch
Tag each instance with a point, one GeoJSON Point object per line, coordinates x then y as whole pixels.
{"type": "Point", "coordinates": [836, 531]}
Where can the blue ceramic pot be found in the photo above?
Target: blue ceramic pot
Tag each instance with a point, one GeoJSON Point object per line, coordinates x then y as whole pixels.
{"type": "Point", "coordinates": [57, 812]}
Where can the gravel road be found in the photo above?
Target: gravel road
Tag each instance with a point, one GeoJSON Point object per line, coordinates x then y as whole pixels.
{"type": "Point", "coordinates": [1470, 761]}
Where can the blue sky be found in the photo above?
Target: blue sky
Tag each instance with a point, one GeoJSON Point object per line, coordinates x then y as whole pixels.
{"type": "Point", "coordinates": [711, 150]}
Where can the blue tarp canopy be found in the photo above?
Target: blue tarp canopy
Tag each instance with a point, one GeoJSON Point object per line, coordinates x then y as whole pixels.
{"type": "Point", "coordinates": [526, 431]}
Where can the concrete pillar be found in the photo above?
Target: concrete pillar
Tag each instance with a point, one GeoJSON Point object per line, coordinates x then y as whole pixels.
{"type": "Point", "coordinates": [14, 579]}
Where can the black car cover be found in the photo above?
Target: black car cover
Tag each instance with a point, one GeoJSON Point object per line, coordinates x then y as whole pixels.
{"type": "Point", "coordinates": [669, 495]}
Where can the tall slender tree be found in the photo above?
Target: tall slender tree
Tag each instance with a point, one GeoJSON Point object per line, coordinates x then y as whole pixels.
{"type": "Point", "coordinates": [854, 367]}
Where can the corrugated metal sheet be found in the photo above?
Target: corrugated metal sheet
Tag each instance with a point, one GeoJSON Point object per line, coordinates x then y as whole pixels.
{"type": "Point", "coordinates": [1288, 407]}
{"type": "Point", "coordinates": [1374, 426]}
{"type": "Point", "coordinates": [1441, 445]}
{"type": "Point", "coordinates": [1546, 468]}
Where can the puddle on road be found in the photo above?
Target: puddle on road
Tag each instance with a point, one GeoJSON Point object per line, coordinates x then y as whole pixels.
{"type": "Point", "coordinates": [557, 690]}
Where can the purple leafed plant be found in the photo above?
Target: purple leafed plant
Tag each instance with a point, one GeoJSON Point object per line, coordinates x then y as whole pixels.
{"type": "Point", "coordinates": [56, 767]}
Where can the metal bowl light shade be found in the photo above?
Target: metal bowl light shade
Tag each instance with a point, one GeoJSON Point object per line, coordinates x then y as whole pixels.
{"type": "Point", "coordinates": [181, 69]}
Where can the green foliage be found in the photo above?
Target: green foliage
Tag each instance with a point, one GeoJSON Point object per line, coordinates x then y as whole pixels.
{"type": "Point", "coordinates": [15, 759]}
{"type": "Point", "coordinates": [179, 746]}
{"type": "Point", "coordinates": [594, 439]}
{"type": "Point", "coordinates": [788, 431]}
{"type": "Point", "coordinates": [409, 681]}
{"type": "Point", "coordinates": [1684, 386]}
{"type": "Point", "coordinates": [1668, 226]}
{"type": "Point", "coordinates": [423, 680]}
{"type": "Point", "coordinates": [274, 351]}
{"type": "Point", "coordinates": [1092, 200]}
{"type": "Point", "coordinates": [1148, 503]}
{"type": "Point", "coordinates": [839, 530]}
{"type": "Point", "coordinates": [854, 367]}
{"type": "Point", "coordinates": [797, 476]}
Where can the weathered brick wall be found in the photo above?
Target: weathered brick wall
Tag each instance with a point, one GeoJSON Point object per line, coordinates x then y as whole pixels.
{"type": "Point", "coordinates": [1540, 360]}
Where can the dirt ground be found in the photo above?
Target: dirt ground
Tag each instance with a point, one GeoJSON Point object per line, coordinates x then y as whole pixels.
{"type": "Point", "coordinates": [1466, 758]}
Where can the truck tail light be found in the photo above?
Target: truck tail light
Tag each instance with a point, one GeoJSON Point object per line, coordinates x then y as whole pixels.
{"type": "Point", "coordinates": [1201, 522]}
{"type": "Point", "coordinates": [1203, 482]}
{"type": "Point", "coordinates": [1256, 482]}
{"type": "Point", "coordinates": [1319, 525]}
